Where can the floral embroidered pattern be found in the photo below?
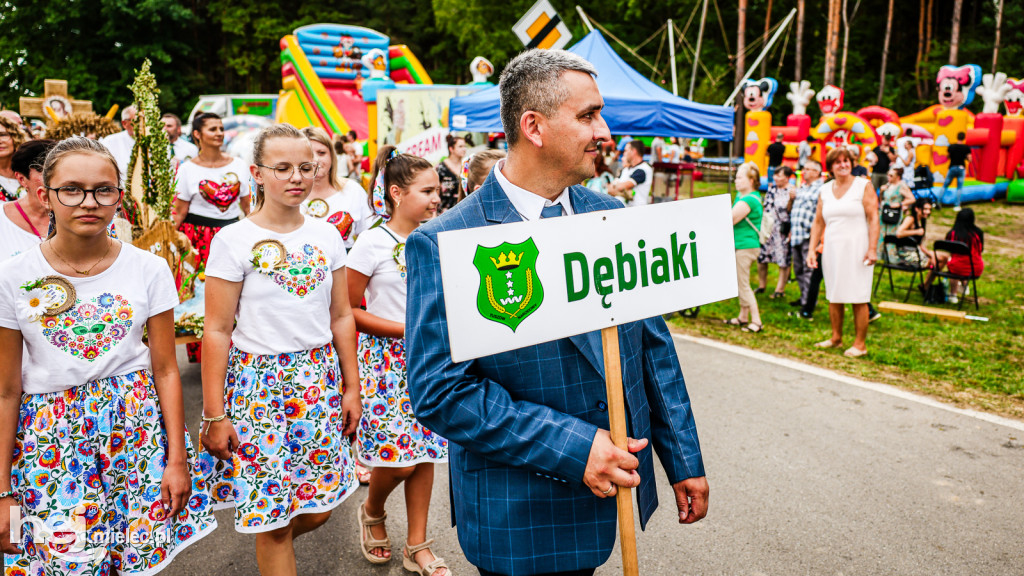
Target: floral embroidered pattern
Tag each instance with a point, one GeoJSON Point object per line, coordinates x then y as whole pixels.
{"type": "Point", "coordinates": [293, 459]}
{"type": "Point", "coordinates": [90, 329]}
{"type": "Point", "coordinates": [389, 433]}
{"type": "Point", "coordinates": [97, 451]}
{"type": "Point", "coordinates": [302, 272]}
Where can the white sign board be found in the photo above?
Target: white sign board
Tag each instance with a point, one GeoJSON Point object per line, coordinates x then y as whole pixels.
{"type": "Point", "coordinates": [515, 285]}
{"type": "Point", "coordinates": [542, 27]}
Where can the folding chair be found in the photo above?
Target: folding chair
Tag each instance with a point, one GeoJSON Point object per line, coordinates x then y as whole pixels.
{"type": "Point", "coordinates": [885, 265]}
{"type": "Point", "coordinates": [961, 249]}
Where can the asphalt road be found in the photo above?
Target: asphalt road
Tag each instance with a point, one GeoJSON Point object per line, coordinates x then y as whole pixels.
{"type": "Point", "coordinates": [809, 475]}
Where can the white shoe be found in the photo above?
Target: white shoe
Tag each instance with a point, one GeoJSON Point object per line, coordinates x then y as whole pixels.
{"type": "Point", "coordinates": [953, 300]}
{"type": "Point", "coordinates": [956, 208]}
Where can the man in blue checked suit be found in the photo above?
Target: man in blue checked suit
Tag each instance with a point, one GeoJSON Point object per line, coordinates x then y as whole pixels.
{"type": "Point", "coordinates": [533, 469]}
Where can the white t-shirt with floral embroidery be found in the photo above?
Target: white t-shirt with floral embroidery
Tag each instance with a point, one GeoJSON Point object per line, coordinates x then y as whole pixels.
{"type": "Point", "coordinates": [100, 335]}
{"type": "Point", "coordinates": [348, 210]}
{"type": "Point", "coordinates": [377, 256]}
{"type": "Point", "coordinates": [287, 308]}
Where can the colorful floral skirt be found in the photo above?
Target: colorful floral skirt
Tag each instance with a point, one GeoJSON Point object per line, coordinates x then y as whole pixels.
{"type": "Point", "coordinates": [293, 458]}
{"type": "Point", "coordinates": [88, 463]}
{"type": "Point", "coordinates": [389, 434]}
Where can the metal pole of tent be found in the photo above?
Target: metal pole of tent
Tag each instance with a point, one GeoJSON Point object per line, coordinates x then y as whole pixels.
{"type": "Point", "coordinates": [672, 56]}
{"type": "Point", "coordinates": [764, 52]}
{"type": "Point", "coordinates": [586, 21]}
{"type": "Point", "coordinates": [696, 56]}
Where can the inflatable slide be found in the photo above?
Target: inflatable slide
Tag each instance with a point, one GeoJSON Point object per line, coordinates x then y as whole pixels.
{"type": "Point", "coordinates": [323, 67]}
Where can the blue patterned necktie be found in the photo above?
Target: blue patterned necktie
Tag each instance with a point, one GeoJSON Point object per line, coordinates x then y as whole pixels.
{"type": "Point", "coordinates": [553, 211]}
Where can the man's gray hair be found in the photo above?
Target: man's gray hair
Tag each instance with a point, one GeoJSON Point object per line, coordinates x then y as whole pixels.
{"type": "Point", "coordinates": [531, 82]}
{"type": "Point", "coordinates": [128, 113]}
{"type": "Point", "coordinates": [813, 164]}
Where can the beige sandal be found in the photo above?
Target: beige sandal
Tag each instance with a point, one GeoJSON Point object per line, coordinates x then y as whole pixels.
{"type": "Point", "coordinates": [367, 540]}
{"type": "Point", "coordinates": [409, 563]}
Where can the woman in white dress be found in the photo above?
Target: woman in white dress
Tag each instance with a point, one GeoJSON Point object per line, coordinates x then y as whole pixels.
{"type": "Point", "coordinates": [847, 215]}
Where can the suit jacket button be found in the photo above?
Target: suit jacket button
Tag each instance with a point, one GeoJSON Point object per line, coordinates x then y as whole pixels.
{"type": "Point", "coordinates": [602, 406]}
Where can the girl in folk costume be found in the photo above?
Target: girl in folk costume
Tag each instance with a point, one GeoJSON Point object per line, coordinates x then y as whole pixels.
{"type": "Point", "coordinates": [212, 189]}
{"type": "Point", "coordinates": [339, 201]}
{"type": "Point", "coordinates": [92, 433]}
{"type": "Point", "coordinates": [278, 407]}
{"type": "Point", "coordinates": [400, 449]}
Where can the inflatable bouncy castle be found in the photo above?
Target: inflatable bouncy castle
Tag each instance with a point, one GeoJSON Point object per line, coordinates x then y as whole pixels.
{"type": "Point", "coordinates": [997, 156]}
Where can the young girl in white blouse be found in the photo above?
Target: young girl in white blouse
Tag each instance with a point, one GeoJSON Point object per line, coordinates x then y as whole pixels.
{"type": "Point", "coordinates": [406, 192]}
{"type": "Point", "coordinates": [277, 405]}
{"type": "Point", "coordinates": [92, 433]}
{"type": "Point", "coordinates": [339, 201]}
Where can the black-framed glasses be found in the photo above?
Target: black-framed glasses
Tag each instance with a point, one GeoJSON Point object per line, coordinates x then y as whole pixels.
{"type": "Point", "coordinates": [72, 196]}
{"type": "Point", "coordinates": [307, 170]}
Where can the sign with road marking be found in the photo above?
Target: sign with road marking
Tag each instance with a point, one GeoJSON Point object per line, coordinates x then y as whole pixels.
{"type": "Point", "coordinates": [542, 27]}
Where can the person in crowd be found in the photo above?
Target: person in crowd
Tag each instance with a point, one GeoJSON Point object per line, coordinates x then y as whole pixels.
{"type": "Point", "coordinates": [121, 143]}
{"type": "Point", "coordinates": [914, 226]}
{"type": "Point", "coordinates": [803, 203]}
{"type": "Point", "coordinates": [775, 250]}
{"type": "Point", "coordinates": [803, 152]}
{"type": "Point", "coordinates": [92, 414]}
{"type": "Point", "coordinates": [633, 186]}
{"type": "Point", "coordinates": [477, 168]}
{"type": "Point", "coordinates": [602, 176]}
{"type": "Point", "coordinates": [776, 151]}
{"type": "Point", "coordinates": [611, 156]}
{"type": "Point", "coordinates": [211, 190]}
{"type": "Point", "coordinates": [620, 147]}
{"type": "Point", "coordinates": [847, 221]}
{"type": "Point", "coordinates": [337, 200]}
{"type": "Point", "coordinates": [342, 168]}
{"type": "Point", "coordinates": [747, 212]}
{"type": "Point", "coordinates": [958, 155]}
{"type": "Point", "coordinates": [278, 406]}
{"type": "Point", "coordinates": [181, 149]}
{"type": "Point", "coordinates": [883, 161]}
{"type": "Point", "coordinates": [907, 161]}
{"type": "Point", "coordinates": [11, 137]}
{"type": "Point", "coordinates": [658, 148]}
{"type": "Point", "coordinates": [450, 172]}
{"type": "Point", "coordinates": [401, 450]}
{"type": "Point", "coordinates": [26, 221]}
{"type": "Point", "coordinates": [858, 170]}
{"type": "Point", "coordinates": [533, 478]}
{"type": "Point", "coordinates": [966, 231]}
{"type": "Point", "coordinates": [898, 198]}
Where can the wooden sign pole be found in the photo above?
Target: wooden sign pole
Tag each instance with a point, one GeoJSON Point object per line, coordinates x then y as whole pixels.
{"type": "Point", "coordinates": [617, 422]}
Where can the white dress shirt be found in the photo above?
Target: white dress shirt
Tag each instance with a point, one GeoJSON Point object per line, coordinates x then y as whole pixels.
{"type": "Point", "coordinates": [529, 204]}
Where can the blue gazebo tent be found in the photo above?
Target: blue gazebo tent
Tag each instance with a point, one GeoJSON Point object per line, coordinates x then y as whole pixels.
{"type": "Point", "coordinates": [633, 104]}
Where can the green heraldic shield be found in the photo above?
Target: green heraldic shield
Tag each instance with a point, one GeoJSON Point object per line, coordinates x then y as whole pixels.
{"type": "Point", "coordinates": [509, 287]}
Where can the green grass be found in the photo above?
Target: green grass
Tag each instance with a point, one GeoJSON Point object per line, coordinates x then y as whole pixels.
{"type": "Point", "coordinates": [976, 364]}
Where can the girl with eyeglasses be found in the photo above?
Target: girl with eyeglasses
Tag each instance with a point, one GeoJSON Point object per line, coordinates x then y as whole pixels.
{"type": "Point", "coordinates": [278, 405]}
{"type": "Point", "coordinates": [406, 192]}
{"type": "Point", "coordinates": [92, 428]}
{"type": "Point", "coordinates": [211, 190]}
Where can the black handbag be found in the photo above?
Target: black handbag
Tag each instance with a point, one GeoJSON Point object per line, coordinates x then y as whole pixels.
{"type": "Point", "coordinates": [890, 215]}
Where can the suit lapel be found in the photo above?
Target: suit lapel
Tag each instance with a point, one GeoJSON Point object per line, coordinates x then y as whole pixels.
{"type": "Point", "coordinates": [498, 209]}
